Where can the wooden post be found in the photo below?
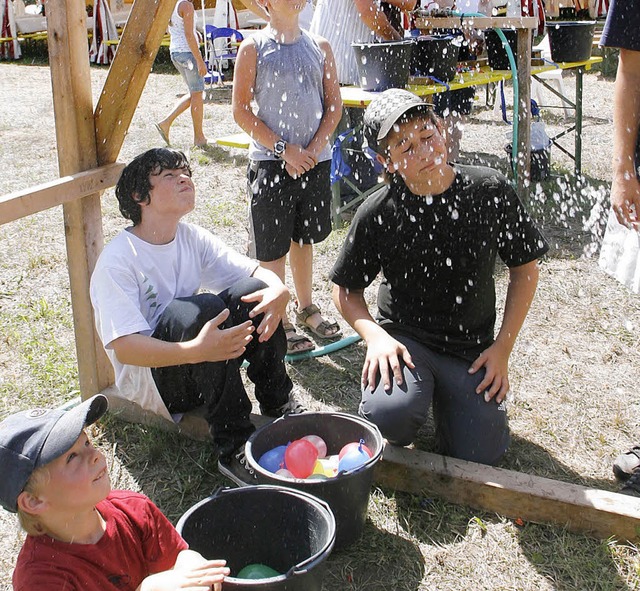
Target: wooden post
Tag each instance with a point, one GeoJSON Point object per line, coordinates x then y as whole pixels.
{"type": "Point", "coordinates": [523, 63]}
{"type": "Point", "coordinates": [75, 136]}
{"type": "Point", "coordinates": [128, 74]}
{"type": "Point", "coordinates": [588, 511]}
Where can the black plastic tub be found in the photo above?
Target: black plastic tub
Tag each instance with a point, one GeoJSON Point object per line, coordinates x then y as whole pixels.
{"type": "Point", "coordinates": [383, 65]}
{"type": "Point", "coordinates": [348, 493]}
{"type": "Point", "coordinates": [496, 52]}
{"type": "Point", "coordinates": [539, 162]}
{"type": "Point", "coordinates": [288, 530]}
{"type": "Point", "coordinates": [571, 41]}
{"type": "Point", "coordinates": [435, 56]}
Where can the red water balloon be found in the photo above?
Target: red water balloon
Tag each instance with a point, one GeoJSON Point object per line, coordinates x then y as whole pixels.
{"type": "Point", "coordinates": [300, 457]}
{"type": "Point", "coordinates": [355, 445]}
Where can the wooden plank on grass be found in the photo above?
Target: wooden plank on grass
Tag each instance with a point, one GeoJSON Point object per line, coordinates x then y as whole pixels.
{"type": "Point", "coordinates": [588, 511]}
{"type": "Point", "coordinates": [193, 423]}
{"type": "Point", "coordinates": [69, 188]}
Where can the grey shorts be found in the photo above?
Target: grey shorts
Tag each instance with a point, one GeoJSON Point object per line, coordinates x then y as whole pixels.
{"type": "Point", "coordinates": [185, 63]}
{"type": "Point", "coordinates": [467, 427]}
{"type": "Point", "coordinates": [282, 209]}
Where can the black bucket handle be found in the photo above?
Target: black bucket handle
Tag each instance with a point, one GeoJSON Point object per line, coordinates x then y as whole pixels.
{"type": "Point", "coordinates": [306, 565]}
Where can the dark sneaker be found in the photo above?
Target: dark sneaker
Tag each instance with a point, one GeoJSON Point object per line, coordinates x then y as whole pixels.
{"type": "Point", "coordinates": [237, 469]}
{"type": "Point", "coordinates": [627, 463]}
{"type": "Point", "coordinates": [292, 407]}
{"type": "Point", "coordinates": [632, 485]}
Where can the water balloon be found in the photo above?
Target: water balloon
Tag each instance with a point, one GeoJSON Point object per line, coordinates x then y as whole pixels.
{"type": "Point", "coordinates": [300, 457]}
{"type": "Point", "coordinates": [355, 444]}
{"type": "Point", "coordinates": [273, 459]}
{"type": "Point", "coordinates": [318, 443]}
{"type": "Point", "coordinates": [257, 571]}
{"type": "Point", "coordinates": [354, 458]}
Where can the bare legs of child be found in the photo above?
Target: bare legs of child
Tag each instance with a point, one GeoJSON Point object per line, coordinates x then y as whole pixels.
{"type": "Point", "coordinates": [307, 314]}
{"type": "Point", "coordinates": [194, 101]}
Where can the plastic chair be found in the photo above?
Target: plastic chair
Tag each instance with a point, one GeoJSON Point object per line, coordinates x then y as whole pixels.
{"type": "Point", "coordinates": [552, 77]}
{"type": "Point", "coordinates": [221, 47]}
{"type": "Point", "coordinates": [341, 171]}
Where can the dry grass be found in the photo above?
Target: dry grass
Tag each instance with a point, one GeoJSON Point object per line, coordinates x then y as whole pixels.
{"type": "Point", "coordinates": [574, 370]}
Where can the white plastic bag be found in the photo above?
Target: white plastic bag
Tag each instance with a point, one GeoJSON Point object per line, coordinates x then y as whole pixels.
{"type": "Point", "coordinates": [620, 253]}
{"type": "Point", "coordinates": [539, 138]}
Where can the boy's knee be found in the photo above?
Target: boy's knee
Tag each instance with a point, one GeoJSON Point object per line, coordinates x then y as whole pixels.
{"type": "Point", "coordinates": [399, 413]}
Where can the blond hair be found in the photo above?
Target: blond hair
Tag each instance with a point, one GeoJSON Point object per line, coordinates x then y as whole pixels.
{"type": "Point", "coordinates": [37, 481]}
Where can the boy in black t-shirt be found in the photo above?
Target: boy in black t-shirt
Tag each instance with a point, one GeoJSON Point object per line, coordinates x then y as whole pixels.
{"type": "Point", "coordinates": [434, 232]}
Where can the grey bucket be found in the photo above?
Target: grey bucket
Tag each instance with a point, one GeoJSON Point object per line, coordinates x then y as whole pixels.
{"type": "Point", "coordinates": [289, 530]}
{"type": "Point", "coordinates": [384, 64]}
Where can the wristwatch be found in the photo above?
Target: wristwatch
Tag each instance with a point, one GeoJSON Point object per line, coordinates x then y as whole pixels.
{"type": "Point", "coordinates": [279, 147]}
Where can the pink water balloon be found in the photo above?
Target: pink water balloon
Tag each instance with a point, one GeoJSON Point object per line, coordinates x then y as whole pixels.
{"type": "Point", "coordinates": [318, 443]}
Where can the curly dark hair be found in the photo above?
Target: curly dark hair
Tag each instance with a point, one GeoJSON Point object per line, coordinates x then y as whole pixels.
{"type": "Point", "coordinates": [135, 182]}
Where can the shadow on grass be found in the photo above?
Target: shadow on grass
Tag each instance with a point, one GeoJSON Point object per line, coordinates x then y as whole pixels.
{"type": "Point", "coordinates": [568, 561]}
{"type": "Point", "coordinates": [379, 560]}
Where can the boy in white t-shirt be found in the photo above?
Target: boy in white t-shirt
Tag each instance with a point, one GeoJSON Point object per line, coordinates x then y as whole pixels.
{"type": "Point", "coordinates": [174, 348]}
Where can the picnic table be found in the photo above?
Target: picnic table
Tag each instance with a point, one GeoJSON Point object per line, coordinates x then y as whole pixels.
{"type": "Point", "coordinates": [353, 96]}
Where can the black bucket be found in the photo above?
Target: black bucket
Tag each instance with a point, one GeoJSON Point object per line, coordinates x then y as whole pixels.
{"type": "Point", "coordinates": [285, 529]}
{"type": "Point", "coordinates": [383, 65]}
{"type": "Point", "coordinates": [348, 493]}
{"type": "Point", "coordinates": [496, 53]}
{"type": "Point", "coordinates": [539, 163]}
{"type": "Point", "coordinates": [435, 56]}
{"type": "Point", "coordinates": [571, 41]}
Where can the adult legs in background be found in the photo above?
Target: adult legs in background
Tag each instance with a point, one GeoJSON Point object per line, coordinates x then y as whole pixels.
{"type": "Point", "coordinates": [467, 427]}
{"type": "Point", "coordinates": [186, 65]}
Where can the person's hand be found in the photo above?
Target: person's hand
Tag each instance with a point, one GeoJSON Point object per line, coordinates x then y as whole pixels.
{"type": "Point", "coordinates": [495, 360]}
{"type": "Point", "coordinates": [298, 160]}
{"type": "Point", "coordinates": [625, 200]}
{"type": "Point", "coordinates": [384, 355]}
{"type": "Point", "coordinates": [221, 344]}
{"type": "Point", "coordinates": [272, 302]}
{"type": "Point", "coordinates": [202, 68]}
{"type": "Point", "coordinates": [203, 577]}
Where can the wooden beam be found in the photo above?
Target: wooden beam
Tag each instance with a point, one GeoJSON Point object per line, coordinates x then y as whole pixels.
{"type": "Point", "coordinates": [20, 204]}
{"type": "Point", "coordinates": [193, 423]}
{"type": "Point", "coordinates": [76, 141]}
{"type": "Point", "coordinates": [523, 112]}
{"type": "Point", "coordinates": [128, 74]}
{"type": "Point", "coordinates": [588, 511]}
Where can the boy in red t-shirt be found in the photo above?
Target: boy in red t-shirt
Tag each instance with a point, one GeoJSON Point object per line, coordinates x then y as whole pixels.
{"type": "Point", "coordinates": [83, 536]}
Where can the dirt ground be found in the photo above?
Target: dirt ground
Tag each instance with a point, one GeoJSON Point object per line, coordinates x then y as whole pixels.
{"type": "Point", "coordinates": [574, 370]}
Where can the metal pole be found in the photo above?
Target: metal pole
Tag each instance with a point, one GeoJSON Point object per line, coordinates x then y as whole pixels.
{"type": "Point", "coordinates": [578, 144]}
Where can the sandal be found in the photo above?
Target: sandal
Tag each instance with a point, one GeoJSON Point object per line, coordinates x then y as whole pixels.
{"type": "Point", "coordinates": [324, 330]}
{"type": "Point", "coordinates": [296, 343]}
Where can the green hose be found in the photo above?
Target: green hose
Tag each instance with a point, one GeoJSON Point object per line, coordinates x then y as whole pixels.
{"type": "Point", "coordinates": [516, 94]}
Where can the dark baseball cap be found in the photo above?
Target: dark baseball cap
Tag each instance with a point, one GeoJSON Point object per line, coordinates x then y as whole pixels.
{"type": "Point", "coordinates": [384, 110]}
{"type": "Point", "coordinates": [32, 438]}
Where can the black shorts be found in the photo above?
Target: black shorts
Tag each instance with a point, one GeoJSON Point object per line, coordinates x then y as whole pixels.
{"type": "Point", "coordinates": [283, 209]}
{"type": "Point", "coordinates": [454, 101]}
